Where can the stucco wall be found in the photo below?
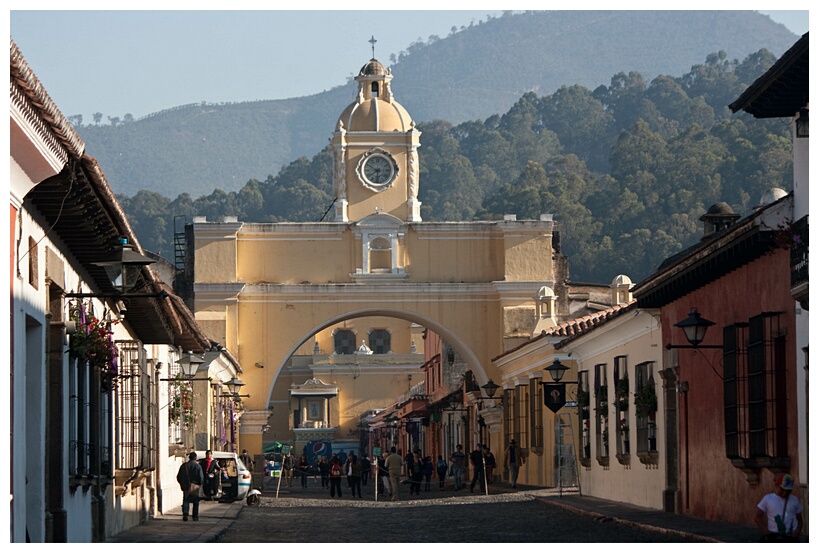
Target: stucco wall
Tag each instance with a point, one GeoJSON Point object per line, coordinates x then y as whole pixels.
{"type": "Point", "coordinates": [703, 464]}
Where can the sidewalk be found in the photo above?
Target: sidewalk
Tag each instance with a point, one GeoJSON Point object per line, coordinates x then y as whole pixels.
{"type": "Point", "coordinates": [707, 530]}
{"type": "Point", "coordinates": [215, 518]}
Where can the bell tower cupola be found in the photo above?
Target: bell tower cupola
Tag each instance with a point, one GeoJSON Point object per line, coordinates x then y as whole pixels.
{"type": "Point", "coordinates": [375, 152]}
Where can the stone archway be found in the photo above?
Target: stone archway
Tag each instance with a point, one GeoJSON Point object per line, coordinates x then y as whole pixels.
{"type": "Point", "coordinates": [261, 290]}
{"type": "Point", "coordinates": [463, 347]}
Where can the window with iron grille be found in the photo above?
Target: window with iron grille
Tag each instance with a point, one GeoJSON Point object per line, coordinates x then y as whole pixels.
{"type": "Point", "coordinates": [344, 342]}
{"type": "Point", "coordinates": [135, 409]}
{"type": "Point", "coordinates": [89, 422]}
{"type": "Point", "coordinates": [621, 407]}
{"type": "Point", "coordinates": [645, 407]}
{"type": "Point", "coordinates": [535, 413]}
{"type": "Point", "coordinates": [522, 423]}
{"type": "Point", "coordinates": [754, 389]}
{"type": "Point", "coordinates": [584, 408]}
{"type": "Point", "coordinates": [601, 401]}
{"type": "Point", "coordinates": [380, 341]}
{"type": "Point", "coordinates": [79, 416]}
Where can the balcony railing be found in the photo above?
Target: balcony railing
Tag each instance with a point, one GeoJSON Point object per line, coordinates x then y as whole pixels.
{"type": "Point", "coordinates": [799, 252]}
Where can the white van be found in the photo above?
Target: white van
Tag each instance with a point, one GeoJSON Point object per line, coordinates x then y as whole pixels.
{"type": "Point", "coordinates": [234, 483]}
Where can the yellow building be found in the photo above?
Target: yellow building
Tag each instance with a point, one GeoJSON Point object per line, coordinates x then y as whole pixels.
{"type": "Point", "coordinates": [271, 292]}
{"type": "Point", "coordinates": [614, 424]}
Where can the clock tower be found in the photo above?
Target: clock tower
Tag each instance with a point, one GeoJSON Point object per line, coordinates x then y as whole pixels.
{"type": "Point", "coordinates": [375, 153]}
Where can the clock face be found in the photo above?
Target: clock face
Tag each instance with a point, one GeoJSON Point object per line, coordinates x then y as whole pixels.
{"type": "Point", "coordinates": [377, 170]}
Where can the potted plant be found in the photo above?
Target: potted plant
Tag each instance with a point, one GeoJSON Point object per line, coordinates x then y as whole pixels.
{"type": "Point", "coordinates": [602, 397]}
{"type": "Point", "coordinates": [583, 399]}
{"type": "Point", "coordinates": [645, 401]}
{"type": "Point", "coordinates": [93, 342]}
{"type": "Point", "coordinates": [621, 394]}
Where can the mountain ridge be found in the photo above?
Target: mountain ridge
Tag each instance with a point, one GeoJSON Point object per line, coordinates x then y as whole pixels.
{"type": "Point", "coordinates": [470, 75]}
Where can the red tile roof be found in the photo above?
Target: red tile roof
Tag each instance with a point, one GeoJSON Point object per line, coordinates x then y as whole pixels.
{"type": "Point", "coordinates": [580, 326]}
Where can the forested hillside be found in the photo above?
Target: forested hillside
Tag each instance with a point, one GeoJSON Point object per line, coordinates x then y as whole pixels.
{"type": "Point", "coordinates": [626, 169]}
{"type": "Point", "coordinates": [471, 74]}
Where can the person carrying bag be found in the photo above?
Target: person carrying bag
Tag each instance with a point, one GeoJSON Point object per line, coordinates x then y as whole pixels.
{"type": "Point", "coordinates": [190, 477]}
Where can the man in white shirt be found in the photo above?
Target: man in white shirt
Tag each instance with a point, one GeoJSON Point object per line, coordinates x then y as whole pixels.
{"type": "Point", "coordinates": [779, 514]}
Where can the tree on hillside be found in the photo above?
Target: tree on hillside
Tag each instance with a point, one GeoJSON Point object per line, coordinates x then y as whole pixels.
{"type": "Point", "coordinates": [148, 212]}
{"type": "Point", "coordinates": [580, 122]}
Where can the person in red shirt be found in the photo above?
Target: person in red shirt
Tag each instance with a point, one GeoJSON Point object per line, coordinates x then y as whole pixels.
{"type": "Point", "coordinates": [213, 472]}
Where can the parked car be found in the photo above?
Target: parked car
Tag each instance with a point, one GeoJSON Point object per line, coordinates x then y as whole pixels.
{"type": "Point", "coordinates": [235, 481]}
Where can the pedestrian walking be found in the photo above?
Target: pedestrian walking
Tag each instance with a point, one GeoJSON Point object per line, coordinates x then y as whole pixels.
{"type": "Point", "coordinates": [335, 476]}
{"type": "Point", "coordinates": [416, 472]}
{"type": "Point", "coordinates": [512, 459]}
{"type": "Point", "coordinates": [441, 467]}
{"type": "Point", "coordinates": [393, 465]}
{"type": "Point", "coordinates": [476, 458]}
{"type": "Point", "coordinates": [458, 460]}
{"type": "Point", "coordinates": [383, 473]}
{"type": "Point", "coordinates": [247, 460]}
{"type": "Point", "coordinates": [324, 472]}
{"type": "Point", "coordinates": [489, 461]}
{"type": "Point", "coordinates": [355, 475]}
{"type": "Point", "coordinates": [287, 469]}
{"type": "Point", "coordinates": [366, 468]}
{"type": "Point", "coordinates": [212, 473]}
{"type": "Point", "coordinates": [428, 469]}
{"type": "Point", "coordinates": [190, 478]}
{"type": "Point", "coordinates": [779, 514]}
{"type": "Point", "coordinates": [303, 467]}
{"type": "Point", "coordinates": [408, 459]}
{"type": "Point", "coordinates": [348, 472]}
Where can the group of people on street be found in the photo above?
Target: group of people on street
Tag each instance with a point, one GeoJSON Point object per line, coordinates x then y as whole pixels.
{"type": "Point", "coordinates": [194, 476]}
{"type": "Point", "coordinates": [778, 515]}
{"type": "Point", "coordinates": [300, 467]}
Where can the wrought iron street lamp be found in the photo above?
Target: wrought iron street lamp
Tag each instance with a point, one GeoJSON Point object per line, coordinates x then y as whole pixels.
{"type": "Point", "coordinates": [695, 326]}
{"type": "Point", "coordinates": [189, 365]}
{"type": "Point", "coordinates": [490, 388]}
{"type": "Point", "coordinates": [122, 268]}
{"type": "Point", "coordinates": [234, 385]}
{"type": "Point", "coordinates": [557, 370]}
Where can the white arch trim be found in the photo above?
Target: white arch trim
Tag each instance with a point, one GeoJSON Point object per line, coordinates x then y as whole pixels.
{"type": "Point", "coordinates": [460, 346]}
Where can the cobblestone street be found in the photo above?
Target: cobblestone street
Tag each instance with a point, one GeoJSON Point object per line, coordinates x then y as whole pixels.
{"type": "Point", "coordinates": [453, 517]}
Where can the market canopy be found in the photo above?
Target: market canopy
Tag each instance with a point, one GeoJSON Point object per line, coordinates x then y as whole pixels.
{"type": "Point", "coordinates": [277, 447]}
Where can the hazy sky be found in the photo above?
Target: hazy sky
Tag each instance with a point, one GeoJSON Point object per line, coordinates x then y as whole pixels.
{"type": "Point", "coordinates": [138, 62]}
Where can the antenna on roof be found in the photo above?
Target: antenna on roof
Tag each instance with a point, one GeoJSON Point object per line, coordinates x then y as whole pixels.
{"type": "Point", "coordinates": [372, 42]}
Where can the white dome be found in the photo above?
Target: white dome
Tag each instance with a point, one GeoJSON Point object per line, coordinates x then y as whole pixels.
{"type": "Point", "coordinates": [771, 196]}
{"type": "Point", "coordinates": [621, 280]}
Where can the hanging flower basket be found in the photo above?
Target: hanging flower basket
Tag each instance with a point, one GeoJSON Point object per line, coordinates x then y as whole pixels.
{"type": "Point", "coordinates": [645, 401]}
{"type": "Point", "coordinates": [181, 409]}
{"type": "Point", "coordinates": [93, 342]}
{"type": "Point", "coordinates": [583, 399]}
{"type": "Point", "coordinates": [621, 394]}
{"type": "Point", "coordinates": [602, 397]}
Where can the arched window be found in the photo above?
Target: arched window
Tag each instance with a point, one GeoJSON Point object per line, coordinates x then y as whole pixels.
{"type": "Point", "coordinates": [380, 341]}
{"type": "Point", "coordinates": [374, 89]}
{"type": "Point", "coordinates": [380, 255]}
{"type": "Point", "coordinates": [344, 342]}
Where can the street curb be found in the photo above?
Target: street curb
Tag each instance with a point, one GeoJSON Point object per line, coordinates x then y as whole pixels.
{"type": "Point", "coordinates": [223, 526]}
{"type": "Point", "coordinates": [631, 523]}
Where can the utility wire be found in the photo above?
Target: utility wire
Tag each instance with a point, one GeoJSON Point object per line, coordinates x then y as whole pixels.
{"type": "Point", "coordinates": [328, 209]}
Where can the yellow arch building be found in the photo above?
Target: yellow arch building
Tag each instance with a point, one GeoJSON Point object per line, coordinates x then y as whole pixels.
{"type": "Point", "coordinates": [272, 291]}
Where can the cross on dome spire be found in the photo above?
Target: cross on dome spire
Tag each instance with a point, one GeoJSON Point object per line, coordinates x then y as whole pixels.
{"type": "Point", "coordinates": [372, 42]}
